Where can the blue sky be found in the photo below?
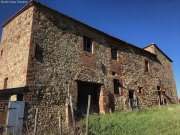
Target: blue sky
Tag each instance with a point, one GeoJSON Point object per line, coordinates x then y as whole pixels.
{"type": "Point", "coordinates": [139, 22]}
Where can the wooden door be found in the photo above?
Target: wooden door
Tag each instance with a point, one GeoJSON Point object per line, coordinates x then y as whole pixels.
{"type": "Point", "coordinates": [15, 116]}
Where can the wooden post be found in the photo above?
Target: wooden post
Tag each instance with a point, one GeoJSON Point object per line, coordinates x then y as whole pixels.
{"type": "Point", "coordinates": [67, 113]}
{"type": "Point", "coordinates": [35, 122]}
{"type": "Point", "coordinates": [129, 103]}
{"type": "Point", "coordinates": [27, 128]}
{"type": "Point", "coordinates": [163, 99]}
{"type": "Point", "coordinates": [68, 89]}
{"type": "Point", "coordinates": [88, 109]}
{"type": "Point", "coordinates": [137, 101]}
{"type": "Point", "coordinates": [72, 112]}
{"type": "Point", "coordinates": [60, 123]}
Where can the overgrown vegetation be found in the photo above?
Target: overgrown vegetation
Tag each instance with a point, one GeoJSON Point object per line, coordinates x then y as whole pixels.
{"type": "Point", "coordinates": [155, 121]}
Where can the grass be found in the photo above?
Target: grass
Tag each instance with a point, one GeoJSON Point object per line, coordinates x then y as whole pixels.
{"type": "Point", "coordinates": [154, 121]}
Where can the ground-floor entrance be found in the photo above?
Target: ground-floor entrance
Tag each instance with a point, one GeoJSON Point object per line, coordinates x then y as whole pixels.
{"type": "Point", "coordinates": [132, 100]}
{"type": "Point", "coordinates": [85, 89]}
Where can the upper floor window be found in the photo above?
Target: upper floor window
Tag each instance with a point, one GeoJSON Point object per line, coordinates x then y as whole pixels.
{"type": "Point", "coordinates": [87, 44]}
{"type": "Point", "coordinates": [1, 52]}
{"type": "Point", "coordinates": [39, 53]}
{"type": "Point", "coordinates": [116, 86]}
{"type": "Point", "coordinates": [114, 53]}
{"type": "Point", "coordinates": [147, 66]}
{"type": "Point", "coordinates": [5, 83]}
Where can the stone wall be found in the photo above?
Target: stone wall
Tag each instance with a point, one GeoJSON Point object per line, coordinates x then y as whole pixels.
{"type": "Point", "coordinates": [64, 63]}
{"type": "Point", "coordinates": [167, 77]}
{"type": "Point", "coordinates": [14, 50]}
{"type": "Point", "coordinates": [134, 75]}
{"type": "Point", "coordinates": [53, 61]}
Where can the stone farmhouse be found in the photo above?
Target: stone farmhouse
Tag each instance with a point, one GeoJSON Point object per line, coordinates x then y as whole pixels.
{"type": "Point", "coordinates": [47, 57]}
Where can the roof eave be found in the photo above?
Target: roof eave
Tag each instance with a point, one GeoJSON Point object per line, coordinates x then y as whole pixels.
{"type": "Point", "coordinates": [12, 91]}
{"type": "Point", "coordinates": [31, 3]}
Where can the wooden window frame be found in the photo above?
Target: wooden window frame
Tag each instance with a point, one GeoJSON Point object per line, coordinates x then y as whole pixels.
{"type": "Point", "coordinates": [87, 44]}
{"type": "Point", "coordinates": [147, 66]}
{"type": "Point", "coordinates": [114, 53]}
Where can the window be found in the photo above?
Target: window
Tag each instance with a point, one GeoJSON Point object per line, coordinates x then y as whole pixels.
{"type": "Point", "coordinates": [1, 52]}
{"type": "Point", "coordinates": [114, 53]}
{"type": "Point", "coordinates": [116, 86]}
{"type": "Point", "coordinates": [87, 44]}
{"type": "Point", "coordinates": [39, 53]}
{"type": "Point", "coordinates": [140, 90]}
{"type": "Point", "coordinates": [146, 66]}
{"type": "Point", "coordinates": [113, 73]}
{"type": "Point", "coordinates": [5, 83]}
{"type": "Point", "coordinates": [131, 94]}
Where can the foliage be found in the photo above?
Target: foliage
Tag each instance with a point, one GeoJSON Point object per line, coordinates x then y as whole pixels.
{"type": "Point", "coordinates": [155, 121]}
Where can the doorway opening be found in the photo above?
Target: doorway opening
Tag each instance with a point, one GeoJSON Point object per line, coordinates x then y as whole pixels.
{"type": "Point", "coordinates": [132, 100]}
{"type": "Point", "coordinates": [85, 89]}
{"type": "Point", "coordinates": [131, 94]}
{"type": "Point", "coordinates": [159, 95]}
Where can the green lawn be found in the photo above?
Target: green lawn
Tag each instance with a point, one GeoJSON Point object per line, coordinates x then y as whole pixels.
{"type": "Point", "coordinates": [154, 121]}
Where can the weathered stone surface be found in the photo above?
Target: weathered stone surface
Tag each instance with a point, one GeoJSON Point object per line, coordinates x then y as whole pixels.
{"type": "Point", "coordinates": [63, 63]}
{"type": "Point", "coordinates": [14, 49]}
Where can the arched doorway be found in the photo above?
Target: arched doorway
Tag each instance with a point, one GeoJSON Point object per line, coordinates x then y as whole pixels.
{"type": "Point", "coordinates": [85, 89]}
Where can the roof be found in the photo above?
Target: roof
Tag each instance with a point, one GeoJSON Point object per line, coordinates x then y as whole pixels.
{"type": "Point", "coordinates": [159, 51]}
{"type": "Point", "coordinates": [31, 3]}
{"type": "Point", "coordinates": [17, 13]}
{"type": "Point", "coordinates": [12, 91]}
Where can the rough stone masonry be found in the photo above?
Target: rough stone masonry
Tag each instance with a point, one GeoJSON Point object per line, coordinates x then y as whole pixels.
{"type": "Point", "coordinates": [46, 57]}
